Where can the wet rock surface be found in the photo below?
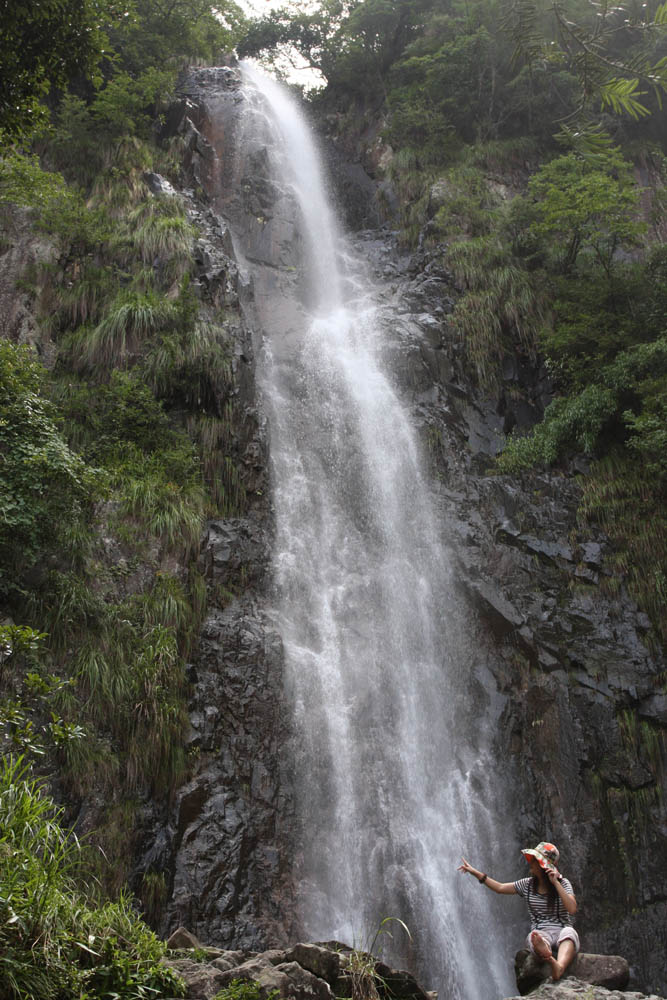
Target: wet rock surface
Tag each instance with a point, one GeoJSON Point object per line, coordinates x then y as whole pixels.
{"type": "Point", "coordinates": [22, 253]}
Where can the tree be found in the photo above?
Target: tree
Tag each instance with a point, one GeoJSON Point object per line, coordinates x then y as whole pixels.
{"type": "Point", "coordinates": [586, 205]}
{"type": "Point", "coordinates": [353, 43]}
{"type": "Point", "coordinates": [615, 50]}
{"type": "Point", "coordinates": [43, 46]}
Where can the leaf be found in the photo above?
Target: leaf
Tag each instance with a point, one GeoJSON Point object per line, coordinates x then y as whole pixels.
{"type": "Point", "coordinates": [621, 96]}
{"type": "Point", "coordinates": [660, 17]}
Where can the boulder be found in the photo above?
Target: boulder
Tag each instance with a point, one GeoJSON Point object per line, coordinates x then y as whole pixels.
{"type": "Point", "coordinates": [253, 968]}
{"type": "Point", "coordinates": [320, 961]}
{"type": "Point", "coordinates": [182, 938]}
{"type": "Point", "coordinates": [303, 985]}
{"type": "Point", "coordinates": [398, 984]}
{"type": "Point", "coordinates": [202, 980]}
{"type": "Point", "coordinates": [610, 971]}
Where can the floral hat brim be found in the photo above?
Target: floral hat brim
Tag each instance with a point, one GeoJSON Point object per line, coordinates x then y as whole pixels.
{"type": "Point", "coordinates": [547, 855]}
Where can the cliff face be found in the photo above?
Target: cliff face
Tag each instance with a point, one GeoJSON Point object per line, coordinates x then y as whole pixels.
{"type": "Point", "coordinates": [578, 692]}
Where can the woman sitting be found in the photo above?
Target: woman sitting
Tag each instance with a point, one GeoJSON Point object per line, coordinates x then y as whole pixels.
{"type": "Point", "coordinates": [551, 905]}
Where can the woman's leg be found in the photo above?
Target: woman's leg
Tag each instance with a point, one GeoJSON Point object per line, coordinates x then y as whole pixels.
{"type": "Point", "coordinates": [566, 952]}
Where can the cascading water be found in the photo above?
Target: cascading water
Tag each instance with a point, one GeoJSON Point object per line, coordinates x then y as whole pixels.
{"type": "Point", "coordinates": [390, 768]}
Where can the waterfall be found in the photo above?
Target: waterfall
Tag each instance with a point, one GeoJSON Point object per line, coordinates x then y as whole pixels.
{"type": "Point", "coordinates": [392, 769]}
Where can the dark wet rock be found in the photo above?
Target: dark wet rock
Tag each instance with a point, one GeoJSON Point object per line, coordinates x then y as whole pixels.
{"type": "Point", "coordinates": [303, 985]}
{"type": "Point", "coordinates": [22, 251]}
{"type": "Point", "coordinates": [295, 974]}
{"type": "Point", "coordinates": [655, 708]}
{"type": "Point", "coordinates": [159, 185]}
{"type": "Point", "coordinates": [398, 984]}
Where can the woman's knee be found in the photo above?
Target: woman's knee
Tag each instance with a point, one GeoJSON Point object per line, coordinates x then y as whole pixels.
{"type": "Point", "coordinates": [569, 934]}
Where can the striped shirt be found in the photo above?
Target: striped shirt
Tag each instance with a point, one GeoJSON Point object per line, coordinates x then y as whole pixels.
{"type": "Point", "coordinates": [540, 913]}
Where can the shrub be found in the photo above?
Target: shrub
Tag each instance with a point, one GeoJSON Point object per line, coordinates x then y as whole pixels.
{"type": "Point", "coordinates": [102, 420]}
{"type": "Point", "coordinates": [622, 496]}
{"type": "Point", "coordinates": [44, 486]}
{"type": "Point", "coordinates": [54, 942]}
{"type": "Point", "coordinates": [132, 318]}
{"type": "Point", "coordinates": [502, 306]}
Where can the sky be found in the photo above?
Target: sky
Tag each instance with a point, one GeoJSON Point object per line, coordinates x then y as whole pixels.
{"type": "Point", "coordinates": [295, 70]}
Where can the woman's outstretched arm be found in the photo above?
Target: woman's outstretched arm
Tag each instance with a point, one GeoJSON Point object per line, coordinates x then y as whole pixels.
{"type": "Point", "coordinates": [506, 888]}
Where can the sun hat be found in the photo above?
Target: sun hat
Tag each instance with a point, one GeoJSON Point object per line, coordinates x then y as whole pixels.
{"type": "Point", "coordinates": [547, 855]}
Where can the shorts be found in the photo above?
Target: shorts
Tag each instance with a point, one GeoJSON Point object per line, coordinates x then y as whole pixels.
{"type": "Point", "coordinates": [555, 935]}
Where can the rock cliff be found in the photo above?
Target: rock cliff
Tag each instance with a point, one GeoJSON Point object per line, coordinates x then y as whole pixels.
{"type": "Point", "coordinates": [582, 713]}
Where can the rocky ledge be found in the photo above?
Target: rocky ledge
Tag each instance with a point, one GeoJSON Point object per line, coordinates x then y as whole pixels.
{"type": "Point", "coordinates": [303, 972]}
{"type": "Point", "coordinates": [575, 989]}
{"type": "Point", "coordinates": [329, 970]}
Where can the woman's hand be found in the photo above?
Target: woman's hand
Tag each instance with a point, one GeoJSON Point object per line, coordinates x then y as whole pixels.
{"type": "Point", "coordinates": [467, 868]}
{"type": "Point", "coordinates": [506, 888]}
{"type": "Point", "coordinates": [567, 898]}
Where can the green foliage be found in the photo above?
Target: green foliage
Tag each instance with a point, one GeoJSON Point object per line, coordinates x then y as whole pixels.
{"type": "Point", "coordinates": [173, 33]}
{"type": "Point", "coordinates": [24, 182]}
{"type": "Point", "coordinates": [243, 989]}
{"type": "Point", "coordinates": [128, 678]}
{"type": "Point", "coordinates": [153, 895]}
{"type": "Point", "coordinates": [44, 486]}
{"type": "Point", "coordinates": [160, 229]}
{"type": "Point", "coordinates": [174, 512]}
{"type": "Point", "coordinates": [28, 692]}
{"type": "Point", "coordinates": [129, 53]}
{"type": "Point", "coordinates": [352, 44]}
{"type": "Point", "coordinates": [360, 964]}
{"type": "Point", "coordinates": [54, 942]}
{"type": "Point", "coordinates": [135, 364]}
{"type": "Point", "coordinates": [130, 321]}
{"type": "Point", "coordinates": [586, 205]}
{"type": "Point", "coordinates": [578, 422]}
{"type": "Point", "coordinates": [502, 305]}
{"type": "Point", "coordinates": [43, 46]}
{"type": "Point", "coordinates": [468, 207]}
{"type": "Point", "coordinates": [100, 421]}
{"type": "Point", "coordinates": [570, 423]}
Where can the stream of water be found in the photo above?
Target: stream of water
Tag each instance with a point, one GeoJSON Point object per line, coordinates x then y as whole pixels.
{"type": "Point", "coordinates": [393, 779]}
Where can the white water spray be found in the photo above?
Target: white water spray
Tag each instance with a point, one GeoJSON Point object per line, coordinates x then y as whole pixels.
{"type": "Point", "coordinates": [389, 788]}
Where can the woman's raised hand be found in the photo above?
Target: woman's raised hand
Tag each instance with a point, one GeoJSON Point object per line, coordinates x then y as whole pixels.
{"type": "Point", "coordinates": [465, 867]}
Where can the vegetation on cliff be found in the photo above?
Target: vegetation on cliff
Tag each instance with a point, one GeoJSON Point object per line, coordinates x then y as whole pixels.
{"type": "Point", "coordinates": [110, 460]}
{"type": "Point", "coordinates": [57, 939]}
